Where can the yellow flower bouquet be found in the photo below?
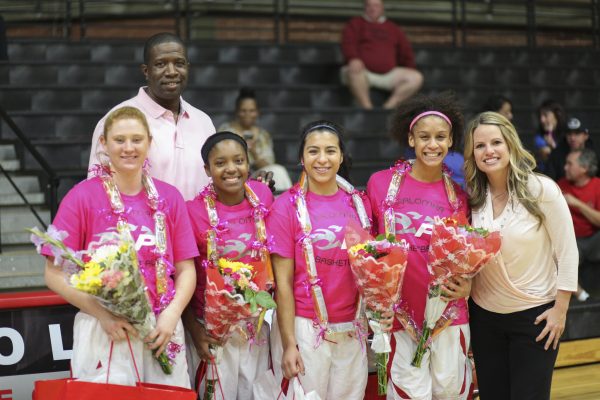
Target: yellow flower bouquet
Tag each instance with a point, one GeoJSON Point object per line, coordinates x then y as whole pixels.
{"type": "Point", "coordinates": [109, 271]}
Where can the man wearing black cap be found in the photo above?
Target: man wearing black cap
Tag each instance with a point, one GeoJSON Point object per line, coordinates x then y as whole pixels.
{"type": "Point", "coordinates": [577, 138]}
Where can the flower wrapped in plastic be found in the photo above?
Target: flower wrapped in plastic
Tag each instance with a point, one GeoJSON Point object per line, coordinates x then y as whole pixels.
{"type": "Point", "coordinates": [456, 250]}
{"type": "Point", "coordinates": [109, 271]}
{"type": "Point", "coordinates": [235, 291]}
{"type": "Point", "coordinates": [378, 266]}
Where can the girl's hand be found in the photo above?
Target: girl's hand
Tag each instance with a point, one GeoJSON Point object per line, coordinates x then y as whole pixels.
{"type": "Point", "coordinates": [202, 340]}
{"type": "Point", "coordinates": [161, 335]}
{"type": "Point", "coordinates": [116, 328]}
{"type": "Point", "coordinates": [386, 322]}
{"type": "Point", "coordinates": [456, 288]}
{"type": "Point", "coordinates": [291, 362]}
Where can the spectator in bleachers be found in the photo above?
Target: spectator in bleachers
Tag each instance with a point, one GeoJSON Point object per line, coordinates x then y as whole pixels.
{"type": "Point", "coordinates": [581, 189]}
{"type": "Point", "coordinates": [178, 129]}
{"type": "Point", "coordinates": [576, 138]}
{"type": "Point", "coordinates": [500, 104]}
{"type": "Point", "coordinates": [378, 54]}
{"type": "Point", "coordinates": [552, 124]}
{"type": "Point", "coordinates": [260, 143]}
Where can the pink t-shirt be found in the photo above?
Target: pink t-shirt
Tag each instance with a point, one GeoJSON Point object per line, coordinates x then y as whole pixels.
{"type": "Point", "coordinates": [328, 215]}
{"type": "Point", "coordinates": [237, 238]}
{"type": "Point", "coordinates": [85, 213]}
{"type": "Point", "coordinates": [416, 205]}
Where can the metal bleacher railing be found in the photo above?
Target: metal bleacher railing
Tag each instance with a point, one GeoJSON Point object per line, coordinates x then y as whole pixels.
{"type": "Point", "coordinates": [52, 178]}
{"type": "Point", "coordinates": [197, 19]}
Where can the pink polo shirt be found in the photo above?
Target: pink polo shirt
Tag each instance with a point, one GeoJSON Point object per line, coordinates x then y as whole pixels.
{"type": "Point", "coordinates": [175, 150]}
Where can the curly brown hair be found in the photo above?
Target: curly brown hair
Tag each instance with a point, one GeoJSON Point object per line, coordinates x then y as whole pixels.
{"type": "Point", "coordinates": [446, 103]}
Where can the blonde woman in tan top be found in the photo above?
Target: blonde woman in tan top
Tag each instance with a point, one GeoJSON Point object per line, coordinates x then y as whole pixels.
{"type": "Point", "coordinates": [519, 302]}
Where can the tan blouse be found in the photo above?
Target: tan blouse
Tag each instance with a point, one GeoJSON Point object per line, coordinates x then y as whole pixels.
{"type": "Point", "coordinates": [533, 263]}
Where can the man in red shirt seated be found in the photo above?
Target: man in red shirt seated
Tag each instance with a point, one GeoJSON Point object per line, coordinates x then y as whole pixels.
{"type": "Point", "coordinates": [581, 189]}
{"type": "Point", "coordinates": [379, 55]}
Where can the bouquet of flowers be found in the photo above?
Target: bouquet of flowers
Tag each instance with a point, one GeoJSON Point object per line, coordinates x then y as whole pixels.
{"type": "Point", "coordinates": [109, 271]}
{"type": "Point", "coordinates": [378, 266]}
{"type": "Point", "coordinates": [234, 292]}
{"type": "Point", "coordinates": [456, 250]}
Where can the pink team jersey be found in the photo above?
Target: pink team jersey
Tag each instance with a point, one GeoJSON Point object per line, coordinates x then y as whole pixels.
{"type": "Point", "coordinates": [237, 237]}
{"type": "Point", "coordinates": [328, 215]}
{"type": "Point", "coordinates": [415, 206]}
{"type": "Point", "coordinates": [85, 213]}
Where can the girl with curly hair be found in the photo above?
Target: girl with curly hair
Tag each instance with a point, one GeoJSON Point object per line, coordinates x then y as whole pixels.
{"type": "Point", "coordinates": [405, 199]}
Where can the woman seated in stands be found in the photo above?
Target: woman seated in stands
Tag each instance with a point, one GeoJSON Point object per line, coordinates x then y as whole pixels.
{"type": "Point", "coordinates": [553, 123]}
{"type": "Point", "coordinates": [260, 143]}
{"type": "Point", "coordinates": [154, 212]}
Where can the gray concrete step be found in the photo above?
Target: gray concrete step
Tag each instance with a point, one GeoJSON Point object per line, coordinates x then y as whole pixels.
{"type": "Point", "coordinates": [14, 222]}
{"type": "Point", "coordinates": [7, 152]}
{"type": "Point", "coordinates": [15, 199]}
{"type": "Point", "coordinates": [27, 184]}
{"type": "Point", "coordinates": [21, 269]}
{"type": "Point", "coordinates": [11, 165]}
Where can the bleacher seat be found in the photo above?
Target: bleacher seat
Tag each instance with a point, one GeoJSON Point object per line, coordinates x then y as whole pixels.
{"type": "Point", "coordinates": [46, 100]}
{"type": "Point", "coordinates": [207, 75]}
{"type": "Point", "coordinates": [67, 51]}
{"type": "Point", "coordinates": [58, 90]}
{"type": "Point", "coordinates": [29, 74]}
{"type": "Point", "coordinates": [122, 74]}
{"type": "Point", "coordinates": [81, 74]}
{"type": "Point", "coordinates": [104, 98]}
{"type": "Point", "coordinates": [238, 54]}
{"type": "Point", "coordinates": [112, 52]}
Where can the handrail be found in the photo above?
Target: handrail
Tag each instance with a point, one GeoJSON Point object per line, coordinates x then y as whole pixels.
{"type": "Point", "coordinates": [53, 179]}
{"type": "Point", "coordinates": [14, 185]}
{"type": "Point", "coordinates": [459, 15]}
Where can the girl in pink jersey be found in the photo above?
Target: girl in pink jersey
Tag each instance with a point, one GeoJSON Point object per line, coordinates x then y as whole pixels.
{"type": "Point", "coordinates": [414, 192]}
{"type": "Point", "coordinates": [239, 205]}
{"type": "Point", "coordinates": [319, 332]}
{"type": "Point", "coordinates": [88, 210]}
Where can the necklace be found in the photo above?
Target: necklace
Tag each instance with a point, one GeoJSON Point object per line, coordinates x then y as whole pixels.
{"type": "Point", "coordinates": [313, 283]}
{"type": "Point", "coordinates": [162, 267]}
{"type": "Point", "coordinates": [499, 195]}
{"type": "Point", "coordinates": [260, 247]}
{"type": "Point", "coordinates": [400, 170]}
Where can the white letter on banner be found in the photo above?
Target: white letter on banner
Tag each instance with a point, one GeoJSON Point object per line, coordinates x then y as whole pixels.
{"type": "Point", "coordinates": [18, 346]}
{"type": "Point", "coordinates": [58, 353]}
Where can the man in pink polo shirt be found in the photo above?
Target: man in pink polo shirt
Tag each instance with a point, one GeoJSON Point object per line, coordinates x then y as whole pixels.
{"type": "Point", "coordinates": [178, 129]}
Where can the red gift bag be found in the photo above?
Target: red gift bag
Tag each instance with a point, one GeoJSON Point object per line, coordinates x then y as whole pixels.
{"type": "Point", "coordinates": [73, 389]}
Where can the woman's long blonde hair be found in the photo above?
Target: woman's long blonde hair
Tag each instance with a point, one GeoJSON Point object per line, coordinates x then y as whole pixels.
{"type": "Point", "coordinates": [520, 167]}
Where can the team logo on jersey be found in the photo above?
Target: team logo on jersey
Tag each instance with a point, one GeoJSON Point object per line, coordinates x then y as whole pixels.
{"type": "Point", "coordinates": [407, 223]}
{"type": "Point", "coordinates": [237, 247]}
{"type": "Point", "coordinates": [144, 239]}
{"type": "Point", "coordinates": [326, 237]}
